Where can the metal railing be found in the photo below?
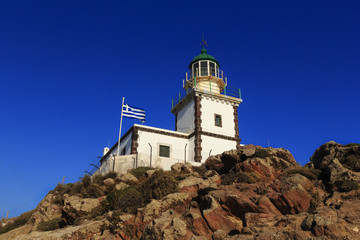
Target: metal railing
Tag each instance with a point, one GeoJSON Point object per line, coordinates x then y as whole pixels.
{"type": "Point", "coordinates": [215, 72]}
{"type": "Point", "coordinates": [227, 91]}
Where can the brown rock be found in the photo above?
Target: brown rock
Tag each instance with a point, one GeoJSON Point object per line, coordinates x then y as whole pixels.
{"type": "Point", "coordinates": [128, 178]}
{"type": "Point", "coordinates": [109, 182]}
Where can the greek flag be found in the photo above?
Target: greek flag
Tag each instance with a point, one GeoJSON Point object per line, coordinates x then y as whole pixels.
{"type": "Point", "coordinates": [132, 112]}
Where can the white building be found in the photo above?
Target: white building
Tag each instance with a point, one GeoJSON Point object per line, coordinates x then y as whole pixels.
{"type": "Point", "coordinates": [206, 123]}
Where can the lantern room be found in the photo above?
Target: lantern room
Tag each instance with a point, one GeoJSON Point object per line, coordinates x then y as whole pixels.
{"type": "Point", "coordinates": [205, 74]}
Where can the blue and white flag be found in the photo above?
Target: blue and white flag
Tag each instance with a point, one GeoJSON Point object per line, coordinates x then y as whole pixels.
{"type": "Point", "coordinates": [132, 112]}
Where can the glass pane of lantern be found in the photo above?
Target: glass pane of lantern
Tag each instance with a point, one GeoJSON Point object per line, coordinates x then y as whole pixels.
{"type": "Point", "coordinates": [212, 68]}
{"type": "Point", "coordinates": [204, 71]}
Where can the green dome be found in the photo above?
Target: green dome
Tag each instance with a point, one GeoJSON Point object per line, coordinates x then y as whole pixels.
{"type": "Point", "coordinates": [203, 56]}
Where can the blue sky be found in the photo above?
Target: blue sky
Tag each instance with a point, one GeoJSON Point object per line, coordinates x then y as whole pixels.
{"type": "Point", "coordinates": [65, 65]}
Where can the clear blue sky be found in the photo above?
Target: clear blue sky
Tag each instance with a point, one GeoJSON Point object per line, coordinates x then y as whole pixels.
{"type": "Point", "coordinates": [65, 65]}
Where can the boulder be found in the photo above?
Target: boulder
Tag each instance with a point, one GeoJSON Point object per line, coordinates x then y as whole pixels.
{"type": "Point", "coordinates": [182, 168]}
{"type": "Point", "coordinates": [109, 182]}
{"type": "Point", "coordinates": [80, 205]}
{"type": "Point", "coordinates": [128, 178]}
{"type": "Point", "coordinates": [121, 186]}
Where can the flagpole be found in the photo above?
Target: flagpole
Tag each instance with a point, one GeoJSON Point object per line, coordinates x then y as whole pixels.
{"type": "Point", "coordinates": [122, 107]}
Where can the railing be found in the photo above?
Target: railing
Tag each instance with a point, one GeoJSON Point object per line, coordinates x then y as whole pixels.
{"type": "Point", "coordinates": [228, 91]}
{"type": "Point", "coordinates": [215, 72]}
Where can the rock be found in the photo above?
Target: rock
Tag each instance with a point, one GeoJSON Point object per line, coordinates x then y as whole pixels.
{"type": "Point", "coordinates": [219, 235]}
{"type": "Point", "coordinates": [156, 207]}
{"type": "Point", "coordinates": [246, 230]}
{"type": "Point", "coordinates": [193, 184]}
{"type": "Point", "coordinates": [216, 217]}
{"type": "Point", "coordinates": [128, 178]}
{"type": "Point", "coordinates": [121, 186]}
{"type": "Point", "coordinates": [199, 238]}
{"type": "Point", "coordinates": [182, 168]}
{"type": "Point", "coordinates": [177, 229]}
{"type": "Point", "coordinates": [293, 201]}
{"type": "Point", "coordinates": [339, 164]}
{"type": "Point", "coordinates": [109, 182]}
{"type": "Point", "coordinates": [80, 205]}
{"type": "Point", "coordinates": [148, 173]}
{"type": "Point", "coordinates": [45, 210]}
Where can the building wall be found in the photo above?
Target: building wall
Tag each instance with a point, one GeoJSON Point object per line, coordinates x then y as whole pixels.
{"type": "Point", "coordinates": [210, 107]}
{"type": "Point", "coordinates": [185, 118]}
{"type": "Point", "coordinates": [177, 145]}
{"type": "Point", "coordinates": [215, 146]}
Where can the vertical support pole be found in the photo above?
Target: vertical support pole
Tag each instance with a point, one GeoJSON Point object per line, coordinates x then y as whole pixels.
{"type": "Point", "coordinates": [7, 214]}
{"type": "Point", "coordinates": [185, 153]}
{"type": "Point", "coordinates": [210, 85]}
{"type": "Point", "coordinates": [239, 93]}
{"type": "Point", "coordinates": [122, 107]}
{"type": "Point", "coordinates": [62, 183]}
{"type": "Point", "coordinates": [150, 153]}
{"type": "Point", "coordinates": [225, 90]}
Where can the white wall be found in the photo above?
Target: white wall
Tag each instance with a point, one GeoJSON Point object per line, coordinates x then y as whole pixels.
{"type": "Point", "coordinates": [186, 118]}
{"type": "Point", "coordinates": [210, 107]}
{"type": "Point", "coordinates": [177, 145]}
{"type": "Point", "coordinates": [215, 145]}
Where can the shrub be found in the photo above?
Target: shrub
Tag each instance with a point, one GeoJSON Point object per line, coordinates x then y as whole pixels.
{"type": "Point", "coordinates": [310, 173]}
{"type": "Point", "coordinates": [94, 191]}
{"type": "Point", "coordinates": [314, 202]}
{"type": "Point", "coordinates": [352, 162]}
{"type": "Point", "coordinates": [158, 185]}
{"type": "Point", "coordinates": [18, 222]}
{"type": "Point", "coordinates": [347, 185]}
{"type": "Point", "coordinates": [237, 177]}
{"type": "Point", "coordinates": [201, 169]}
{"type": "Point", "coordinates": [86, 180]}
{"type": "Point", "coordinates": [51, 224]}
{"type": "Point", "coordinates": [140, 171]}
{"type": "Point", "coordinates": [126, 200]}
{"type": "Point", "coordinates": [261, 153]}
{"type": "Point", "coordinates": [352, 145]}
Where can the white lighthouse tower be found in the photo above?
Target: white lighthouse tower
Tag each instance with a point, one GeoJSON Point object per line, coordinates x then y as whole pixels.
{"type": "Point", "coordinates": [207, 108]}
{"type": "Point", "coordinates": [206, 123]}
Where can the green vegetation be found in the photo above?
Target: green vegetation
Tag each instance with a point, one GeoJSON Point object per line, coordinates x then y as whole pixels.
{"type": "Point", "coordinates": [158, 185]}
{"type": "Point", "coordinates": [126, 200]}
{"type": "Point", "coordinates": [310, 173]}
{"type": "Point", "coordinates": [352, 162]}
{"type": "Point", "coordinates": [237, 177]}
{"type": "Point", "coordinates": [18, 222]}
{"type": "Point", "coordinates": [314, 202]}
{"type": "Point", "coordinates": [261, 153]}
{"type": "Point", "coordinates": [201, 169]}
{"type": "Point", "coordinates": [139, 172]}
{"type": "Point", "coordinates": [352, 145]}
{"type": "Point", "coordinates": [51, 224]}
{"type": "Point", "coordinates": [347, 185]}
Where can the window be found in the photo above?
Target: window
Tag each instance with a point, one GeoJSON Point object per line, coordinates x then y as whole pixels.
{"type": "Point", "coordinates": [123, 151]}
{"type": "Point", "coordinates": [218, 121]}
{"type": "Point", "coordinates": [196, 69]}
{"type": "Point", "coordinates": [212, 68]}
{"type": "Point", "coordinates": [164, 151]}
{"type": "Point", "coordinates": [204, 68]}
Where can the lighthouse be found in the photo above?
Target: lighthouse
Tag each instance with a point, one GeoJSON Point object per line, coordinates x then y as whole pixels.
{"type": "Point", "coordinates": [206, 123]}
{"type": "Point", "coordinates": [207, 108]}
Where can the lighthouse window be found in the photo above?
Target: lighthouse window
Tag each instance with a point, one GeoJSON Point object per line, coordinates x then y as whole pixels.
{"type": "Point", "coordinates": [204, 70]}
{"type": "Point", "coordinates": [212, 68]}
{"type": "Point", "coordinates": [218, 121]}
{"type": "Point", "coordinates": [164, 151]}
{"type": "Point", "coordinates": [196, 69]}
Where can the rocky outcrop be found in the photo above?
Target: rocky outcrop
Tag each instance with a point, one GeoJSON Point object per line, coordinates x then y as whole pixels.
{"type": "Point", "coordinates": [248, 193]}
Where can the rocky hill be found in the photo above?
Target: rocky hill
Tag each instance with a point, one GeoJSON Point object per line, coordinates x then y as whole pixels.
{"type": "Point", "coordinates": [249, 193]}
